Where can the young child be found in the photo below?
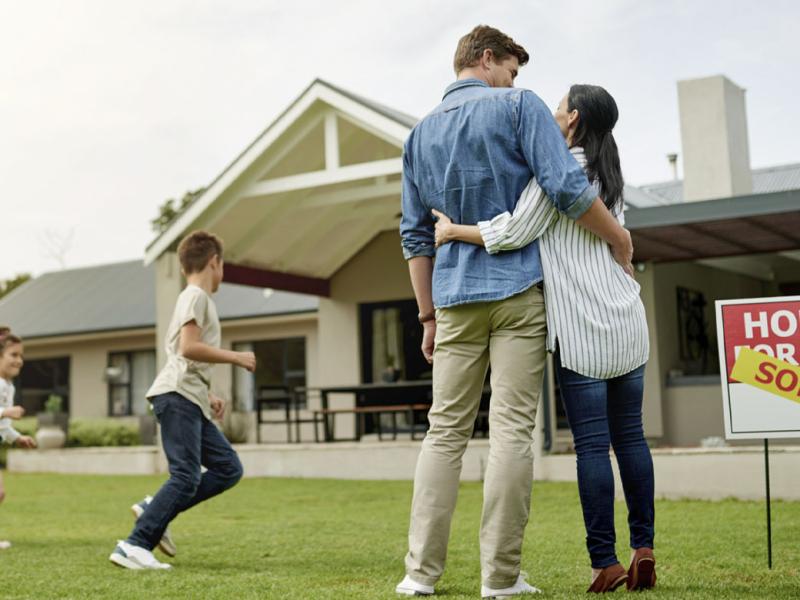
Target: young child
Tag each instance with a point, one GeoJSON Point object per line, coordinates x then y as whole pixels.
{"type": "Point", "coordinates": [184, 407]}
{"type": "Point", "coordinates": [11, 360]}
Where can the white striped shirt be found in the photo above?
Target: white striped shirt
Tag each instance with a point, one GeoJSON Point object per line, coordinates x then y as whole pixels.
{"type": "Point", "coordinates": [594, 311]}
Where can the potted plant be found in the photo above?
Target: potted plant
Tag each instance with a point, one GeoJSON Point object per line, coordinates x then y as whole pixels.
{"type": "Point", "coordinates": [148, 428]}
{"type": "Point", "coordinates": [53, 424]}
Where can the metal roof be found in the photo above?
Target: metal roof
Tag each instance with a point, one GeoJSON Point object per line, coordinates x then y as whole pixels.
{"type": "Point", "coordinates": [121, 296]}
{"type": "Point", "coordinates": [765, 181]}
{"type": "Point", "coordinates": [636, 197]}
{"type": "Point", "coordinates": [743, 225]}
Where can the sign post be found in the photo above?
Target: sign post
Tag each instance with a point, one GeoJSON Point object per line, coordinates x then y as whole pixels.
{"type": "Point", "coordinates": [759, 353]}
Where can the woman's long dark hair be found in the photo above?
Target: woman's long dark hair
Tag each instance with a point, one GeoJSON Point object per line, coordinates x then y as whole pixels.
{"type": "Point", "coordinates": [598, 114]}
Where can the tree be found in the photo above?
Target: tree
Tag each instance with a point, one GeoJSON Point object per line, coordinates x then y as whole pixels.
{"type": "Point", "coordinates": [168, 211]}
{"type": "Point", "coordinates": [9, 285]}
{"type": "Point", "coordinates": [56, 244]}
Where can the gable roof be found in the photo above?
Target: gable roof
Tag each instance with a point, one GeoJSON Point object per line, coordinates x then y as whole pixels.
{"type": "Point", "coordinates": [121, 296]}
{"type": "Point", "coordinates": [394, 124]}
{"type": "Point", "coordinates": [396, 115]}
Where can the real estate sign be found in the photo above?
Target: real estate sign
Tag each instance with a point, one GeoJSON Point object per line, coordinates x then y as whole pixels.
{"type": "Point", "coordinates": [759, 353]}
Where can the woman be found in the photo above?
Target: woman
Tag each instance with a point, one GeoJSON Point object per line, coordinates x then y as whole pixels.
{"type": "Point", "coordinates": [598, 332]}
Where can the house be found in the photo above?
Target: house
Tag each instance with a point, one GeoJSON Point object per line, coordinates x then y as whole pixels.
{"type": "Point", "coordinates": [317, 285]}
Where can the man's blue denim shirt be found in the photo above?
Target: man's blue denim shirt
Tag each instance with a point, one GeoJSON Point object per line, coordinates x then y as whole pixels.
{"type": "Point", "coordinates": [470, 158]}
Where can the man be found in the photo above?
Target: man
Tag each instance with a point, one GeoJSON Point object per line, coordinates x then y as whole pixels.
{"type": "Point", "coordinates": [470, 158]}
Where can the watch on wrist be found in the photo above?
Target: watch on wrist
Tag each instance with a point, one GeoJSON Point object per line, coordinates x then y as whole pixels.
{"type": "Point", "coordinates": [431, 316]}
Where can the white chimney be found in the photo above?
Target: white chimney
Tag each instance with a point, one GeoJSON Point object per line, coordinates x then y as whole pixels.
{"type": "Point", "coordinates": [716, 154]}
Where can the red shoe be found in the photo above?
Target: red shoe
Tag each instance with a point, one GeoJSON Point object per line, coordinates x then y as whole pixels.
{"type": "Point", "coordinates": [609, 579]}
{"type": "Point", "coordinates": [642, 573]}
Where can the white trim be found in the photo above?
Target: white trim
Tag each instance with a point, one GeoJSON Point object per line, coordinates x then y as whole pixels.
{"type": "Point", "coordinates": [39, 343]}
{"type": "Point", "coordinates": [303, 181]}
{"type": "Point", "coordinates": [351, 195]}
{"type": "Point", "coordinates": [215, 214]}
{"type": "Point", "coordinates": [331, 141]}
{"type": "Point", "coordinates": [366, 118]}
{"type": "Point", "coordinates": [228, 177]}
{"type": "Point", "coordinates": [369, 119]}
{"type": "Point", "coordinates": [284, 319]}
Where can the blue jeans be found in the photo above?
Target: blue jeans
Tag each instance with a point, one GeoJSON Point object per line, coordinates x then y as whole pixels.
{"type": "Point", "coordinates": [603, 412]}
{"type": "Point", "coordinates": [190, 440]}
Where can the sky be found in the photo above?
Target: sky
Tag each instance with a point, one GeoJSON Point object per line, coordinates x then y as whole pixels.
{"type": "Point", "coordinates": [107, 108]}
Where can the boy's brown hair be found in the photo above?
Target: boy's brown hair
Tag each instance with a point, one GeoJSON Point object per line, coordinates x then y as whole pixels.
{"type": "Point", "coordinates": [196, 249]}
{"type": "Point", "coordinates": [7, 338]}
{"type": "Point", "coordinates": [471, 46]}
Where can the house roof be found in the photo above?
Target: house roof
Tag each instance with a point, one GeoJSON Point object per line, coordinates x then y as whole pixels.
{"type": "Point", "coordinates": [392, 123]}
{"type": "Point", "coordinates": [387, 111]}
{"type": "Point", "coordinates": [742, 225]}
{"type": "Point", "coordinates": [765, 181]}
{"type": "Point", "coordinates": [121, 296]}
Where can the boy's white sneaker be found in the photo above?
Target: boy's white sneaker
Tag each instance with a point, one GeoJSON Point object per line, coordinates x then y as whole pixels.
{"type": "Point", "coordinates": [518, 589]}
{"type": "Point", "coordinates": [5, 544]}
{"type": "Point", "coordinates": [134, 557]}
{"type": "Point", "coordinates": [166, 544]}
{"type": "Point", "coordinates": [409, 587]}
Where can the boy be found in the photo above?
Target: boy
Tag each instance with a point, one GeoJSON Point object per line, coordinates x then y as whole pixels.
{"type": "Point", "coordinates": [184, 406]}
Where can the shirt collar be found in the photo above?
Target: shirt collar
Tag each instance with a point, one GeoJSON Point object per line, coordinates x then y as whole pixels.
{"type": "Point", "coordinates": [462, 83]}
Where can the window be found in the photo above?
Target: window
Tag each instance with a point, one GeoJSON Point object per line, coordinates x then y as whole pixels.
{"type": "Point", "coordinates": [129, 375]}
{"type": "Point", "coordinates": [279, 363]}
{"type": "Point", "coordinates": [391, 337]}
{"type": "Point", "coordinates": [41, 378]}
{"type": "Point", "coordinates": [693, 338]}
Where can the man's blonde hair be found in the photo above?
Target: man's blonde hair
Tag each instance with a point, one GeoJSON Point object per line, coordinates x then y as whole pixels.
{"type": "Point", "coordinates": [471, 46]}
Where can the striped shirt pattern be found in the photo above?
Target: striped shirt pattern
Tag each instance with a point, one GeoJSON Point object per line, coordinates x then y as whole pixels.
{"type": "Point", "coordinates": [594, 312]}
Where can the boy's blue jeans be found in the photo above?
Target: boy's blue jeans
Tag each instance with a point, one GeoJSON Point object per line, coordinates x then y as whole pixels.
{"type": "Point", "coordinates": [605, 413]}
{"type": "Point", "coordinates": [190, 440]}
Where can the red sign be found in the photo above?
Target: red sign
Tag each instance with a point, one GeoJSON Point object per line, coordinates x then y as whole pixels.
{"type": "Point", "coordinates": [772, 328]}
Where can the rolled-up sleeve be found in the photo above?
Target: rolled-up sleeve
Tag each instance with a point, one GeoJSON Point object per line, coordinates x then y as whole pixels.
{"type": "Point", "coordinates": [416, 225]}
{"type": "Point", "coordinates": [532, 216]}
{"type": "Point", "coordinates": [554, 167]}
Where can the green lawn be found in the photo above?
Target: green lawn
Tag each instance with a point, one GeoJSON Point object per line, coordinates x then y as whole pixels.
{"type": "Point", "coordinates": [283, 538]}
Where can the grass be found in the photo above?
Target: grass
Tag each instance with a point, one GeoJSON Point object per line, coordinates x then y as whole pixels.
{"type": "Point", "coordinates": [320, 539]}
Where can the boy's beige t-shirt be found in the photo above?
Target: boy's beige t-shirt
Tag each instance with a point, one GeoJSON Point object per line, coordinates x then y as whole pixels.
{"type": "Point", "coordinates": [189, 378]}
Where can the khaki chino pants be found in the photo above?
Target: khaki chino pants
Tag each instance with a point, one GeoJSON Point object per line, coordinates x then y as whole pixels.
{"type": "Point", "coordinates": [509, 335]}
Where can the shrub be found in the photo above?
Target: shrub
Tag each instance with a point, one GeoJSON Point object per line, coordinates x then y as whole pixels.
{"type": "Point", "coordinates": [101, 432]}
{"type": "Point", "coordinates": [53, 404]}
{"type": "Point", "coordinates": [25, 425]}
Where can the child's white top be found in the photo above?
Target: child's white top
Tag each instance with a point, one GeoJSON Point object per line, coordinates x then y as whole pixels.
{"type": "Point", "coordinates": [7, 432]}
{"type": "Point", "coordinates": [189, 378]}
{"type": "Point", "coordinates": [593, 307]}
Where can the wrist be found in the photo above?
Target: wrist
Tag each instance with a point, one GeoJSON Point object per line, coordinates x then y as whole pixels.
{"type": "Point", "coordinates": [622, 237]}
{"type": "Point", "coordinates": [426, 317]}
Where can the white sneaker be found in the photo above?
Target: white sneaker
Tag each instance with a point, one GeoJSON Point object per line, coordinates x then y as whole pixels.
{"type": "Point", "coordinates": [133, 557]}
{"type": "Point", "coordinates": [166, 544]}
{"type": "Point", "coordinates": [518, 589]}
{"type": "Point", "coordinates": [409, 587]}
{"type": "Point", "coordinates": [5, 544]}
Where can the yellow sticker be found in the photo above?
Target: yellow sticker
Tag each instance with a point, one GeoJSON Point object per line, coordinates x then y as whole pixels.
{"type": "Point", "coordinates": [769, 374]}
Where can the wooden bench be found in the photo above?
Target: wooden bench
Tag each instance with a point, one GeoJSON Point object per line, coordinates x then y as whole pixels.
{"type": "Point", "coordinates": [327, 416]}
